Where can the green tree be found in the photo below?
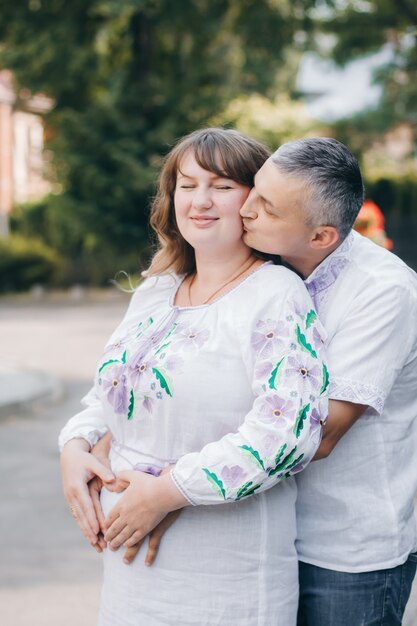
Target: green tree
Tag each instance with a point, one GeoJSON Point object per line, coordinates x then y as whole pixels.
{"type": "Point", "coordinates": [128, 77]}
{"type": "Point", "coordinates": [356, 28]}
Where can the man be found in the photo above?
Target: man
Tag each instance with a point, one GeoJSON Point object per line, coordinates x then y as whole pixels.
{"type": "Point", "coordinates": [356, 531]}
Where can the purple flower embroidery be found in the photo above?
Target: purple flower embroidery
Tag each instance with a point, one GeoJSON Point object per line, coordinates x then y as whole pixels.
{"type": "Point", "coordinates": [190, 338]}
{"type": "Point", "coordinates": [116, 344]}
{"type": "Point", "coordinates": [268, 337]}
{"type": "Point", "coordinates": [276, 409]}
{"type": "Point", "coordinates": [317, 339]}
{"type": "Point", "coordinates": [148, 403]}
{"type": "Point", "coordinates": [299, 467]}
{"type": "Point", "coordinates": [263, 370]}
{"type": "Point", "coordinates": [233, 476]}
{"type": "Point", "coordinates": [301, 370]}
{"type": "Point", "coordinates": [268, 446]}
{"type": "Point", "coordinates": [114, 386]}
{"type": "Point", "coordinates": [141, 371]}
{"type": "Point", "coordinates": [300, 308]}
{"type": "Point", "coordinates": [315, 426]}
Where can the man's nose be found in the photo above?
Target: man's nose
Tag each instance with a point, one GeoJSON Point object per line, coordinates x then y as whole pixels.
{"type": "Point", "coordinates": [248, 209]}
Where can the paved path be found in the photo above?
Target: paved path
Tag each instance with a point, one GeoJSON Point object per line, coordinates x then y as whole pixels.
{"type": "Point", "coordinates": [49, 576]}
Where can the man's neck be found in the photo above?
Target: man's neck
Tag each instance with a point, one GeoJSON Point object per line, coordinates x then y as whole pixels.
{"type": "Point", "coordinates": [305, 266]}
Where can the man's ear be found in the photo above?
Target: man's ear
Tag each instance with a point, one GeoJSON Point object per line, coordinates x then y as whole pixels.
{"type": "Point", "coordinates": [324, 237]}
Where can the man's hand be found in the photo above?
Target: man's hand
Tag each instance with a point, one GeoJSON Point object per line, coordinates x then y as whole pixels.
{"type": "Point", "coordinates": [155, 538]}
{"type": "Point", "coordinates": [147, 501]}
{"type": "Point", "coordinates": [78, 467]}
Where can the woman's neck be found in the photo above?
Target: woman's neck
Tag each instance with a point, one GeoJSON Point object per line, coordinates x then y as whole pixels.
{"type": "Point", "coordinates": [215, 276]}
{"type": "Point", "coordinates": [211, 271]}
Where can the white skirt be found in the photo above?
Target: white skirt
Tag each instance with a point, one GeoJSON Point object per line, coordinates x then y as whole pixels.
{"type": "Point", "coordinates": [230, 565]}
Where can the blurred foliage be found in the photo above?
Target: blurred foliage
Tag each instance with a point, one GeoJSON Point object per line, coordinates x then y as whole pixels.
{"type": "Point", "coordinates": [350, 29]}
{"type": "Point", "coordinates": [24, 262]}
{"type": "Point", "coordinates": [271, 121]}
{"type": "Point", "coordinates": [127, 79]}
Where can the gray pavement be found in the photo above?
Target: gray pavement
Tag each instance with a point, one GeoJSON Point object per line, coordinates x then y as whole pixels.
{"type": "Point", "coordinates": [49, 575]}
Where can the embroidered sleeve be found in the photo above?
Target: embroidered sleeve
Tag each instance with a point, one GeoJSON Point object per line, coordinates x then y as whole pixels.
{"type": "Point", "coordinates": [282, 431]}
{"type": "Point", "coordinates": [90, 424]}
{"type": "Point", "coordinates": [372, 344]}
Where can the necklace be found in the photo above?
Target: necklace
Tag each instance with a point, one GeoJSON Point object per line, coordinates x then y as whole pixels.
{"type": "Point", "coordinates": [235, 276]}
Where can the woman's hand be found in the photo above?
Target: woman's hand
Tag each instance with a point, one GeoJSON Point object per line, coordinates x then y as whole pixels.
{"type": "Point", "coordinates": [147, 501]}
{"type": "Point", "coordinates": [78, 467]}
{"type": "Point", "coordinates": [101, 452]}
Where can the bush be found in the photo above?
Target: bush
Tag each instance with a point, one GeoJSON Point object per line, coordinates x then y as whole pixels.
{"type": "Point", "coordinates": [86, 258]}
{"type": "Point", "coordinates": [25, 262]}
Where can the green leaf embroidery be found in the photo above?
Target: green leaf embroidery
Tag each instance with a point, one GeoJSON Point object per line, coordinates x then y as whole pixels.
{"type": "Point", "coordinates": [275, 375]}
{"type": "Point", "coordinates": [172, 330]}
{"type": "Point", "coordinates": [255, 454]}
{"type": "Point", "coordinates": [216, 482]}
{"type": "Point", "coordinates": [167, 337]}
{"type": "Point", "coordinates": [124, 357]}
{"type": "Point", "coordinates": [245, 491]}
{"type": "Point", "coordinates": [108, 363]}
{"type": "Point", "coordinates": [242, 490]}
{"type": "Point", "coordinates": [284, 463]}
{"type": "Point", "coordinates": [162, 347]}
{"type": "Point", "coordinates": [299, 422]}
{"type": "Point", "coordinates": [149, 322]}
{"type": "Point", "coordinates": [325, 379]}
{"type": "Point", "coordinates": [304, 344]}
{"type": "Point", "coordinates": [131, 405]}
{"type": "Point", "coordinates": [163, 380]}
{"type": "Point", "coordinates": [280, 453]}
{"type": "Point", "coordinates": [311, 318]}
{"type": "Point", "coordinates": [295, 462]}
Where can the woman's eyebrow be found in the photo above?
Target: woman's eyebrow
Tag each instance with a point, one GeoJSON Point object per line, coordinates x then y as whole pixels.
{"type": "Point", "coordinates": [214, 175]}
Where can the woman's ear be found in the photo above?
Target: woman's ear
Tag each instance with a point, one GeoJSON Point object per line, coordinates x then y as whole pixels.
{"type": "Point", "coordinates": [324, 237]}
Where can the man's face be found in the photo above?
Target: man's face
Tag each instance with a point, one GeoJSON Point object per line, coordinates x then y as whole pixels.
{"type": "Point", "coordinates": [273, 218]}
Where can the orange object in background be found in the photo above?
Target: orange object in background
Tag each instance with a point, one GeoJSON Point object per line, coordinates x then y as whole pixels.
{"type": "Point", "coordinates": [370, 223]}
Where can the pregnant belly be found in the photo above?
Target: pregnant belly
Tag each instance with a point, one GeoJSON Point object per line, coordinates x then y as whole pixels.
{"type": "Point", "coordinates": [261, 527]}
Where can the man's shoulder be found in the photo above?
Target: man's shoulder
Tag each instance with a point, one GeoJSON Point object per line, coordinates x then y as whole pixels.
{"type": "Point", "coordinates": [374, 266]}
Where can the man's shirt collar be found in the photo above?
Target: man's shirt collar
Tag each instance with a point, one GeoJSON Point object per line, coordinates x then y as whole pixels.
{"type": "Point", "coordinates": [329, 269]}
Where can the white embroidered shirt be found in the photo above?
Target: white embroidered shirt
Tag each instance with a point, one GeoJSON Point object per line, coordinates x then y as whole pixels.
{"type": "Point", "coordinates": [355, 508]}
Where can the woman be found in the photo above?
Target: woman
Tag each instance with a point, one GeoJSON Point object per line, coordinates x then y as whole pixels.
{"type": "Point", "coordinates": [215, 341]}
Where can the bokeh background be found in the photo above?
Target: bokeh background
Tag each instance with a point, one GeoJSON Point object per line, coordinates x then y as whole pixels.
{"type": "Point", "coordinates": [93, 94]}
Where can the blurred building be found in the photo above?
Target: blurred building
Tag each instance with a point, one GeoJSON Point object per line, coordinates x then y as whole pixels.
{"type": "Point", "coordinates": [21, 147]}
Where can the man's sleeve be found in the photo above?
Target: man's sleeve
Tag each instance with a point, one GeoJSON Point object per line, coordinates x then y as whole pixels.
{"type": "Point", "coordinates": [372, 345]}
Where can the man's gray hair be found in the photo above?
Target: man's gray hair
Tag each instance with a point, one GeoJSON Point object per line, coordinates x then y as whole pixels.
{"type": "Point", "coordinates": [332, 176]}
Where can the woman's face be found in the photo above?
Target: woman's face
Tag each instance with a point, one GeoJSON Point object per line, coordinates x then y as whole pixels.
{"type": "Point", "coordinates": [207, 208]}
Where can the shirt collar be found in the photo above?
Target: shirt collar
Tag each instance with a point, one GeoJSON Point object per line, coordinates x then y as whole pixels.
{"type": "Point", "coordinates": [329, 269]}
